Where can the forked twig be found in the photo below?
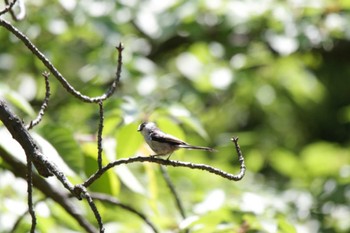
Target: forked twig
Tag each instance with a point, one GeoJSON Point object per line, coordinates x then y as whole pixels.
{"type": "Point", "coordinates": [8, 7]}
{"type": "Point", "coordinates": [81, 191]}
{"type": "Point", "coordinates": [57, 74]}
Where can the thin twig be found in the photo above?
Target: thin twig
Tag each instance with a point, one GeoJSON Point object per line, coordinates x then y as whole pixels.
{"type": "Point", "coordinates": [18, 131]}
{"type": "Point", "coordinates": [174, 193]}
{"type": "Point", "coordinates": [9, 8]}
{"type": "Point", "coordinates": [172, 190]}
{"type": "Point", "coordinates": [57, 74]}
{"type": "Point", "coordinates": [174, 163]}
{"type": "Point", "coordinates": [96, 213]}
{"type": "Point", "coordinates": [30, 194]}
{"type": "Point", "coordinates": [240, 155]}
{"type": "Point", "coordinates": [114, 201]}
{"type": "Point", "coordinates": [44, 104]}
{"type": "Point", "coordinates": [113, 87]}
{"type": "Point", "coordinates": [81, 191]}
{"type": "Point", "coordinates": [21, 135]}
{"type": "Point", "coordinates": [99, 136]}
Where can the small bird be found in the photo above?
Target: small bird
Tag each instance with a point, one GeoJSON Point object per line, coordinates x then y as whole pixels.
{"type": "Point", "coordinates": [162, 143]}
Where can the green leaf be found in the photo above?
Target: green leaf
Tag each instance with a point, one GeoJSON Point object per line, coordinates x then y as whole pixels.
{"type": "Point", "coordinates": [212, 221]}
{"type": "Point", "coordinates": [20, 102]}
{"type": "Point", "coordinates": [129, 179]}
{"type": "Point", "coordinates": [254, 159]}
{"type": "Point", "coordinates": [111, 121]}
{"type": "Point", "coordinates": [195, 124]}
{"type": "Point", "coordinates": [66, 222]}
{"type": "Point", "coordinates": [128, 140]}
{"type": "Point", "coordinates": [324, 159]}
{"type": "Point", "coordinates": [62, 139]}
{"type": "Point", "coordinates": [108, 183]}
{"type": "Point", "coordinates": [284, 226]}
{"type": "Point", "coordinates": [286, 163]}
{"type": "Point", "coordinates": [170, 127]}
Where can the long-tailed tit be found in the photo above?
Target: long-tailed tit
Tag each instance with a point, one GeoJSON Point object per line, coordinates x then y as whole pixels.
{"type": "Point", "coordinates": [162, 143]}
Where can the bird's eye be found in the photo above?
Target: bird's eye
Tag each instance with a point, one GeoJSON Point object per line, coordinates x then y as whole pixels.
{"type": "Point", "coordinates": [141, 126]}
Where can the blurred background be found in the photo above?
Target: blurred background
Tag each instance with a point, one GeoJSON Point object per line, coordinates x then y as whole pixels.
{"type": "Point", "coordinates": [274, 73]}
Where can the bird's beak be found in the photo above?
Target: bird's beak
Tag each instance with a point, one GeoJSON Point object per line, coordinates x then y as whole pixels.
{"type": "Point", "coordinates": [139, 128]}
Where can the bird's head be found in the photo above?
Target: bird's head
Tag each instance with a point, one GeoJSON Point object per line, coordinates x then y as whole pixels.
{"type": "Point", "coordinates": [147, 127]}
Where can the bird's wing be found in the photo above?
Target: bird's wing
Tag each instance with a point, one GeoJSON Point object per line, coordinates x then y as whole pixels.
{"type": "Point", "coordinates": [166, 138]}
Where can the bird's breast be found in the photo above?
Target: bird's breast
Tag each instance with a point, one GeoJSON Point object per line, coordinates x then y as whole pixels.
{"type": "Point", "coordinates": [161, 148]}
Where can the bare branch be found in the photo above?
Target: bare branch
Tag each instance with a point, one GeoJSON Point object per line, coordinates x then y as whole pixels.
{"type": "Point", "coordinates": [174, 163]}
{"type": "Point", "coordinates": [57, 74]}
{"type": "Point", "coordinates": [61, 198]}
{"type": "Point", "coordinates": [99, 136]}
{"type": "Point", "coordinates": [173, 191]}
{"type": "Point", "coordinates": [95, 210]}
{"type": "Point", "coordinates": [20, 134]}
{"type": "Point", "coordinates": [45, 103]}
{"type": "Point", "coordinates": [81, 191]}
{"type": "Point", "coordinates": [30, 194]}
{"type": "Point", "coordinates": [18, 131]}
{"type": "Point", "coordinates": [240, 157]}
{"type": "Point", "coordinates": [114, 201]}
{"type": "Point", "coordinates": [111, 90]}
{"type": "Point", "coordinates": [9, 8]}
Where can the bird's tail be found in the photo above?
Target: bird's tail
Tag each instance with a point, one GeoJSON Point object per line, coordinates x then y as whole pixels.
{"type": "Point", "coordinates": [190, 147]}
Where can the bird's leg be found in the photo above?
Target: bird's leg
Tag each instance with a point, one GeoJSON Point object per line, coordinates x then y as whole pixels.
{"type": "Point", "coordinates": [169, 156]}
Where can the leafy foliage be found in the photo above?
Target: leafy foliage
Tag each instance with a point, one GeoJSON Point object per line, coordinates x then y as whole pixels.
{"type": "Point", "coordinates": [274, 73]}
